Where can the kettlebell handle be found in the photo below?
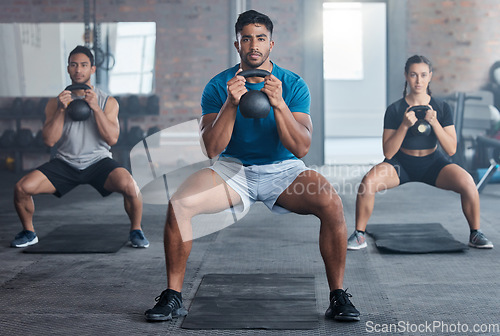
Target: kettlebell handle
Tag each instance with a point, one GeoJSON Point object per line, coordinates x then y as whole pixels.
{"type": "Point", "coordinates": [74, 87]}
{"type": "Point", "coordinates": [419, 107]}
{"type": "Point", "coordinates": [254, 73]}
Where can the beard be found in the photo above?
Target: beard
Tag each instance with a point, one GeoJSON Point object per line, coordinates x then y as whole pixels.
{"type": "Point", "coordinates": [254, 64]}
{"type": "Point", "coordinates": [81, 80]}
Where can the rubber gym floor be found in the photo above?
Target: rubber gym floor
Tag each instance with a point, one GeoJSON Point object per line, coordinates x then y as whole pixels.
{"type": "Point", "coordinates": [107, 294]}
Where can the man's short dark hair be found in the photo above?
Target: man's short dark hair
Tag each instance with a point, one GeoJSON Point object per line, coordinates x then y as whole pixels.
{"type": "Point", "coordinates": [251, 16]}
{"type": "Point", "coordinates": [82, 50]}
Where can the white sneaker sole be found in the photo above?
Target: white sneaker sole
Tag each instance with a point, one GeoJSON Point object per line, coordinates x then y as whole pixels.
{"type": "Point", "coordinates": [489, 246]}
{"type": "Point", "coordinates": [31, 242]}
{"type": "Point", "coordinates": [359, 247]}
{"type": "Point", "coordinates": [138, 246]}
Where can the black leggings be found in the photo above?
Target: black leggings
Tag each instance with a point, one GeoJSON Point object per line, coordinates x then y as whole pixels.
{"type": "Point", "coordinates": [418, 168]}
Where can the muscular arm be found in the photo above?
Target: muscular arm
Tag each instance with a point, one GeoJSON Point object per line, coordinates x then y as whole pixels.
{"type": "Point", "coordinates": [294, 128]}
{"type": "Point", "coordinates": [54, 122]}
{"type": "Point", "coordinates": [107, 120]}
{"type": "Point", "coordinates": [216, 128]}
{"type": "Point", "coordinates": [55, 111]}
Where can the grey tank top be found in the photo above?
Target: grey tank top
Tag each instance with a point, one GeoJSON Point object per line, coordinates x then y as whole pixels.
{"type": "Point", "coordinates": [81, 144]}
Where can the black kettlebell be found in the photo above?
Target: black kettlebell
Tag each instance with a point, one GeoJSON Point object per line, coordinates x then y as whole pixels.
{"type": "Point", "coordinates": [78, 109]}
{"type": "Point", "coordinates": [254, 103]}
{"type": "Point", "coordinates": [421, 126]}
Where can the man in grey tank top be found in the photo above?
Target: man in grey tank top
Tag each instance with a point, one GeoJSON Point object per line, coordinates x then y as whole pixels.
{"type": "Point", "coordinates": [82, 154]}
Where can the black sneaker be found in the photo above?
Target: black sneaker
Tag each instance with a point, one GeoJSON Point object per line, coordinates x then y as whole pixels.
{"type": "Point", "coordinates": [341, 308]}
{"type": "Point", "coordinates": [168, 305]}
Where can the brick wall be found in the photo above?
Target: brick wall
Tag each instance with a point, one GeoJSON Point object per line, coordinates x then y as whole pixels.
{"type": "Point", "coordinates": [191, 38]}
{"type": "Point", "coordinates": [461, 38]}
{"type": "Point", "coordinates": [194, 38]}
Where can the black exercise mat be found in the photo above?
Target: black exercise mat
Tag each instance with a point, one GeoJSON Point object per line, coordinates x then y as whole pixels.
{"type": "Point", "coordinates": [82, 238]}
{"type": "Point", "coordinates": [414, 238]}
{"type": "Point", "coordinates": [254, 301]}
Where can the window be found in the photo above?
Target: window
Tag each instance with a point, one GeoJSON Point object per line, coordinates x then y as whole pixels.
{"type": "Point", "coordinates": [135, 58]}
{"type": "Point", "coordinates": [343, 41]}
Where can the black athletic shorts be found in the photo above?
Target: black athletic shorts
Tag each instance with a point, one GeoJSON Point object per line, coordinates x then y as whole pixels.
{"type": "Point", "coordinates": [64, 177]}
{"type": "Point", "coordinates": [419, 168]}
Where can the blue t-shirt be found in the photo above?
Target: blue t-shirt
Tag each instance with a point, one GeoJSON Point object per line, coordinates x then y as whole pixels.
{"type": "Point", "coordinates": [394, 117]}
{"type": "Point", "coordinates": [256, 141]}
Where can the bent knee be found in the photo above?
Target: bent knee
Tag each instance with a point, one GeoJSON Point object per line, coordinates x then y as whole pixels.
{"type": "Point", "coordinates": [367, 187]}
{"type": "Point", "coordinates": [330, 206]}
{"type": "Point", "coordinates": [370, 185]}
{"type": "Point", "coordinates": [183, 203]}
{"type": "Point", "coordinates": [332, 214]}
{"type": "Point", "coordinates": [183, 208]}
{"type": "Point", "coordinates": [20, 189]}
{"type": "Point", "coordinates": [128, 187]}
{"type": "Point", "coordinates": [23, 188]}
{"type": "Point", "coordinates": [468, 188]}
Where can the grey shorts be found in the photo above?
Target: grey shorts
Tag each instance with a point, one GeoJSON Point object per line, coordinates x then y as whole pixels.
{"type": "Point", "coordinates": [263, 183]}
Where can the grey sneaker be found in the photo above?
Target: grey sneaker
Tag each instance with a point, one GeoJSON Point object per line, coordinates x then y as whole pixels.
{"type": "Point", "coordinates": [356, 241]}
{"type": "Point", "coordinates": [24, 238]}
{"type": "Point", "coordinates": [478, 239]}
{"type": "Point", "coordinates": [137, 239]}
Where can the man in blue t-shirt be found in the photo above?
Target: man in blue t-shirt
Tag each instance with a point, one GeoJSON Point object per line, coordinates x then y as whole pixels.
{"type": "Point", "coordinates": [258, 161]}
{"type": "Point", "coordinates": [257, 141]}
